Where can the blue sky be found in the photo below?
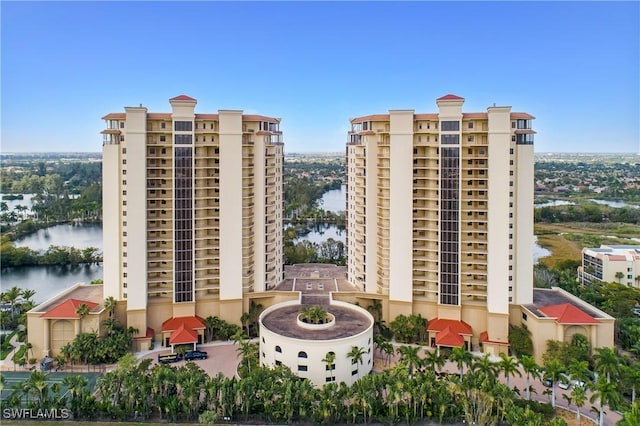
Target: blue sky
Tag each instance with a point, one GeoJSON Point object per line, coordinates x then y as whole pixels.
{"type": "Point", "coordinates": [573, 65]}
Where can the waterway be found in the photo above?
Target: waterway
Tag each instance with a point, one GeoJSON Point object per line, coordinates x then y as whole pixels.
{"type": "Point", "coordinates": [50, 280]}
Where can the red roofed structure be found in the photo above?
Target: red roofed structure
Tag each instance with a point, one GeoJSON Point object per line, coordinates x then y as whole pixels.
{"type": "Point", "coordinates": [67, 309]}
{"type": "Point", "coordinates": [449, 333]}
{"type": "Point", "coordinates": [195, 323]}
{"type": "Point", "coordinates": [449, 338]}
{"type": "Point", "coordinates": [568, 314]}
{"type": "Point", "coordinates": [183, 98]}
{"type": "Point", "coordinates": [183, 335]}
{"type": "Point", "coordinates": [450, 97]}
{"type": "Point", "coordinates": [182, 330]}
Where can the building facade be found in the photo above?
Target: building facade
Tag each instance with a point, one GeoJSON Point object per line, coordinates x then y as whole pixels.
{"type": "Point", "coordinates": [192, 214]}
{"type": "Point", "coordinates": [440, 217]}
{"type": "Point", "coordinates": [611, 263]}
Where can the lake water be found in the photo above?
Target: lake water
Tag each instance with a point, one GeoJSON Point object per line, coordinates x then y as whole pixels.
{"type": "Point", "coordinates": [335, 200]}
{"type": "Point", "coordinates": [81, 235]}
{"type": "Point", "coordinates": [50, 280]}
{"type": "Point", "coordinates": [616, 204]}
{"type": "Point", "coordinates": [554, 203]}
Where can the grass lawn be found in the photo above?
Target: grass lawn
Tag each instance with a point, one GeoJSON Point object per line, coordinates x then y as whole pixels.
{"type": "Point", "coordinates": [566, 240]}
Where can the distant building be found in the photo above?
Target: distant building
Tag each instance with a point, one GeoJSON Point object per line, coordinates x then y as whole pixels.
{"type": "Point", "coordinates": [611, 263]}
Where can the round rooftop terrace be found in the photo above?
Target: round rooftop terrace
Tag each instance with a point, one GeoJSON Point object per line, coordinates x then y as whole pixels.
{"type": "Point", "coordinates": [348, 322]}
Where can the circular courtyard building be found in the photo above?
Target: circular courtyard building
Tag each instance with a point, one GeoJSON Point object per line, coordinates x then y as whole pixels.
{"type": "Point", "coordinates": [306, 348]}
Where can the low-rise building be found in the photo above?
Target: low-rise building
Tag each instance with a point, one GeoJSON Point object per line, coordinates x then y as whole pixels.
{"type": "Point", "coordinates": [611, 263]}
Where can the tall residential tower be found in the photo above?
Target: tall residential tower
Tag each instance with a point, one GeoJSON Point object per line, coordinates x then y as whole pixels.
{"type": "Point", "coordinates": [440, 217]}
{"type": "Point", "coordinates": [192, 215]}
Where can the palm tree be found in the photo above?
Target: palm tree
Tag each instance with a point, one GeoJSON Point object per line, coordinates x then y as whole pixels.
{"type": "Point", "coordinates": [553, 370]}
{"type": "Point", "coordinates": [461, 356]}
{"type": "Point", "coordinates": [631, 417]}
{"type": "Point", "coordinates": [356, 355]}
{"type": "Point", "coordinates": [606, 394]}
{"type": "Point", "coordinates": [110, 304]}
{"type": "Point", "coordinates": [330, 359]}
{"type": "Point", "coordinates": [434, 360]}
{"type": "Point", "coordinates": [28, 294]}
{"type": "Point", "coordinates": [11, 296]}
{"type": "Point", "coordinates": [607, 362]}
{"type": "Point", "coordinates": [386, 347]}
{"type": "Point", "coordinates": [579, 397]}
{"type": "Point", "coordinates": [531, 369]}
{"type": "Point", "coordinates": [619, 276]}
{"type": "Point", "coordinates": [487, 368]}
{"type": "Point", "coordinates": [509, 367]}
{"type": "Point", "coordinates": [210, 323]}
{"type": "Point", "coordinates": [244, 320]}
{"type": "Point", "coordinates": [410, 358]}
{"type": "Point", "coordinates": [246, 350]}
{"type": "Point", "coordinates": [578, 370]}
{"type": "Point", "coordinates": [82, 311]}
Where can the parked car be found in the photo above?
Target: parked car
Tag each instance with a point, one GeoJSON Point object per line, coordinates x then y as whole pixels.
{"type": "Point", "coordinates": [168, 358]}
{"type": "Point", "coordinates": [191, 355]}
{"type": "Point", "coordinates": [564, 382]}
{"type": "Point", "coordinates": [547, 382]}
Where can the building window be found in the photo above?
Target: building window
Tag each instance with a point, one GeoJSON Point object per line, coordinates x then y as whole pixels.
{"type": "Point", "coordinates": [450, 139]}
{"type": "Point", "coordinates": [471, 124]}
{"type": "Point", "coordinates": [278, 362]}
{"type": "Point", "coordinates": [163, 125]}
{"type": "Point", "coordinates": [183, 139]}
{"type": "Point", "coordinates": [302, 368]}
{"type": "Point", "coordinates": [163, 138]}
{"type": "Point", "coordinates": [302, 354]}
{"type": "Point", "coordinates": [278, 349]}
{"type": "Point", "coordinates": [450, 126]}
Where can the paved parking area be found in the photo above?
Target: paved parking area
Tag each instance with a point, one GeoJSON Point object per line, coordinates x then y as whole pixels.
{"type": "Point", "coordinates": [222, 358]}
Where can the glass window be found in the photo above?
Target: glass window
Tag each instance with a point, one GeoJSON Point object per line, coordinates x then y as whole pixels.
{"type": "Point", "coordinates": [302, 354]}
{"type": "Point", "coordinates": [183, 126]}
{"type": "Point", "coordinates": [450, 126]}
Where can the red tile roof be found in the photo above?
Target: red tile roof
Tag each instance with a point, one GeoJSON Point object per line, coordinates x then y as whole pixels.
{"type": "Point", "coordinates": [484, 338]}
{"type": "Point", "coordinates": [459, 327]}
{"type": "Point", "coordinates": [194, 323]}
{"type": "Point", "coordinates": [159, 116]}
{"type": "Point", "coordinates": [67, 309]}
{"type": "Point", "coordinates": [256, 117]}
{"type": "Point", "coordinates": [183, 335]}
{"type": "Point", "coordinates": [115, 116]}
{"type": "Point", "coordinates": [183, 98]}
{"type": "Point", "coordinates": [148, 335]}
{"type": "Point", "coordinates": [567, 314]}
{"type": "Point", "coordinates": [428, 116]}
{"type": "Point", "coordinates": [373, 117]}
{"type": "Point", "coordinates": [470, 115]}
{"type": "Point", "coordinates": [449, 338]}
{"type": "Point", "coordinates": [450, 97]}
{"type": "Point", "coordinates": [207, 117]}
{"type": "Point", "coordinates": [522, 115]}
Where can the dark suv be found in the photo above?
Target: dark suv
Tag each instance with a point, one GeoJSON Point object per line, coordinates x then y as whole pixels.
{"type": "Point", "coordinates": [191, 355]}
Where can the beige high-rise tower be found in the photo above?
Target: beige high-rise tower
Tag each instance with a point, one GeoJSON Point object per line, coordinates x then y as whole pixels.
{"type": "Point", "coordinates": [440, 217]}
{"type": "Point", "coordinates": [192, 215]}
